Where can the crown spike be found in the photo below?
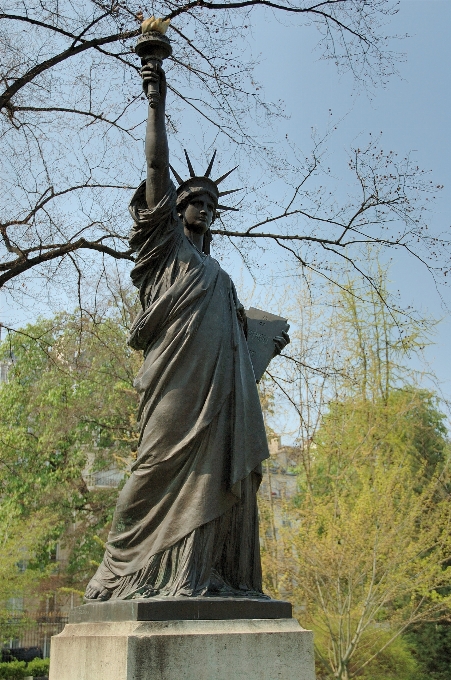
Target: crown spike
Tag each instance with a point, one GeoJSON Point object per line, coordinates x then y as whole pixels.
{"type": "Point", "coordinates": [190, 167]}
{"type": "Point", "coordinates": [208, 170]}
{"type": "Point", "coordinates": [218, 181]}
{"type": "Point", "coordinates": [176, 175]}
{"type": "Point", "coordinates": [230, 191]}
{"type": "Point", "coordinates": [227, 207]}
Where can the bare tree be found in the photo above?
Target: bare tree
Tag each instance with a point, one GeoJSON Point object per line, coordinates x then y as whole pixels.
{"type": "Point", "coordinates": [71, 134]}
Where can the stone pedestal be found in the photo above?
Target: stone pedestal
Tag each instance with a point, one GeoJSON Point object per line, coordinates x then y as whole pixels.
{"type": "Point", "coordinates": [136, 641]}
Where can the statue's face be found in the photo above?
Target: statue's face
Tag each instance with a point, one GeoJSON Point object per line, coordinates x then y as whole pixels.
{"type": "Point", "coordinates": [198, 214]}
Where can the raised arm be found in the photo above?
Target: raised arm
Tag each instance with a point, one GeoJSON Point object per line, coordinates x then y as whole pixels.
{"type": "Point", "coordinates": [157, 150]}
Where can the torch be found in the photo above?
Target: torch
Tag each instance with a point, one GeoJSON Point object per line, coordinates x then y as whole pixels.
{"type": "Point", "coordinates": [152, 47]}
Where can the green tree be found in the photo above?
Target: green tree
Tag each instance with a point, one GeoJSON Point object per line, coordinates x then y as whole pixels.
{"type": "Point", "coordinates": [366, 555]}
{"type": "Point", "coordinates": [369, 538]}
{"type": "Point", "coordinates": [431, 648]}
{"type": "Point", "coordinates": [67, 412]}
{"type": "Point", "coordinates": [20, 540]}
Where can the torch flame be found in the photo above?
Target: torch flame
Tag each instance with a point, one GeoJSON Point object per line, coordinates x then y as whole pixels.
{"type": "Point", "coordinates": [153, 24]}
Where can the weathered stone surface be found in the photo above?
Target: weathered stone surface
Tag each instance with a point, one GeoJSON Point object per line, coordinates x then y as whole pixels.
{"type": "Point", "coordinates": [182, 609]}
{"type": "Point", "coordinates": [259, 649]}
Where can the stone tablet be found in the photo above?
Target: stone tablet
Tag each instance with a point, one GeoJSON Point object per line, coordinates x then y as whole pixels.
{"type": "Point", "coordinates": [262, 328]}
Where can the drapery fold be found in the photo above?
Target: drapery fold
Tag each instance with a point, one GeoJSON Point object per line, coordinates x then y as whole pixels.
{"type": "Point", "coordinates": [202, 435]}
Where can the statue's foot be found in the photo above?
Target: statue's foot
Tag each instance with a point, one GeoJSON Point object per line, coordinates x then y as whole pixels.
{"type": "Point", "coordinates": [95, 591]}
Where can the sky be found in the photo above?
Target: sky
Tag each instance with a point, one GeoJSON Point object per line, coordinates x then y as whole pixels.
{"type": "Point", "coordinates": [412, 112]}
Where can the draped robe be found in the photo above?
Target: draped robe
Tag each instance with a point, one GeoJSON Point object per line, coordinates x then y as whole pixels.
{"type": "Point", "coordinates": [186, 520]}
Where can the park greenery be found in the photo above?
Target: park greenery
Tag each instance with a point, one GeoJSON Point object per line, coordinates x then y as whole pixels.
{"type": "Point", "coordinates": [69, 405]}
{"type": "Point", "coordinates": [15, 670]}
{"type": "Point", "coordinates": [365, 548]}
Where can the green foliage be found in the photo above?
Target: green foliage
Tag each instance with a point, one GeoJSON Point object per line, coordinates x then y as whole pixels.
{"type": "Point", "coordinates": [14, 670]}
{"type": "Point", "coordinates": [394, 662]}
{"type": "Point", "coordinates": [372, 535]}
{"type": "Point", "coordinates": [365, 554]}
{"type": "Point", "coordinates": [376, 338]}
{"type": "Point", "coordinates": [431, 645]}
{"type": "Point", "coordinates": [68, 408]}
{"type": "Point", "coordinates": [38, 667]}
{"type": "Point", "coordinates": [405, 429]}
{"type": "Point", "coordinates": [21, 539]}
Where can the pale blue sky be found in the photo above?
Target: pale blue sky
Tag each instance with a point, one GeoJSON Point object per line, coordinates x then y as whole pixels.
{"type": "Point", "coordinates": [413, 112]}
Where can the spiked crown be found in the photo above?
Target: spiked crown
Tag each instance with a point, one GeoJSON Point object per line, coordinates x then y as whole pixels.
{"type": "Point", "coordinates": [201, 184]}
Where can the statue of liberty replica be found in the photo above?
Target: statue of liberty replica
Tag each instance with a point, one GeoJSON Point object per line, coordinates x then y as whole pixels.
{"type": "Point", "coordinates": [186, 522]}
{"type": "Point", "coordinates": [178, 594]}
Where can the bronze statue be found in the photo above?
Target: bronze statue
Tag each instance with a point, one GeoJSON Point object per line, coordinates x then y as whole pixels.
{"type": "Point", "coordinates": [186, 521]}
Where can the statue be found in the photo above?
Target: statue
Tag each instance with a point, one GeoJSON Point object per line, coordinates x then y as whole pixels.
{"type": "Point", "coordinates": [186, 521]}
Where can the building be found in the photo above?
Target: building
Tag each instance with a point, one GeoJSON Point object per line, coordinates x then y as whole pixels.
{"type": "Point", "coordinates": [5, 366]}
{"type": "Point", "coordinates": [279, 471]}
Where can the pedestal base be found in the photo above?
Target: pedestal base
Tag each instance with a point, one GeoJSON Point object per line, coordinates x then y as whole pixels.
{"type": "Point", "coordinates": [254, 649]}
{"type": "Point", "coordinates": [182, 609]}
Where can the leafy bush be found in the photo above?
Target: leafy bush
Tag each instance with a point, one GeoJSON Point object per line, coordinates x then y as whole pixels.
{"type": "Point", "coordinates": [431, 643]}
{"type": "Point", "coordinates": [16, 670]}
{"type": "Point", "coordinates": [38, 667]}
{"type": "Point", "coordinates": [395, 662]}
